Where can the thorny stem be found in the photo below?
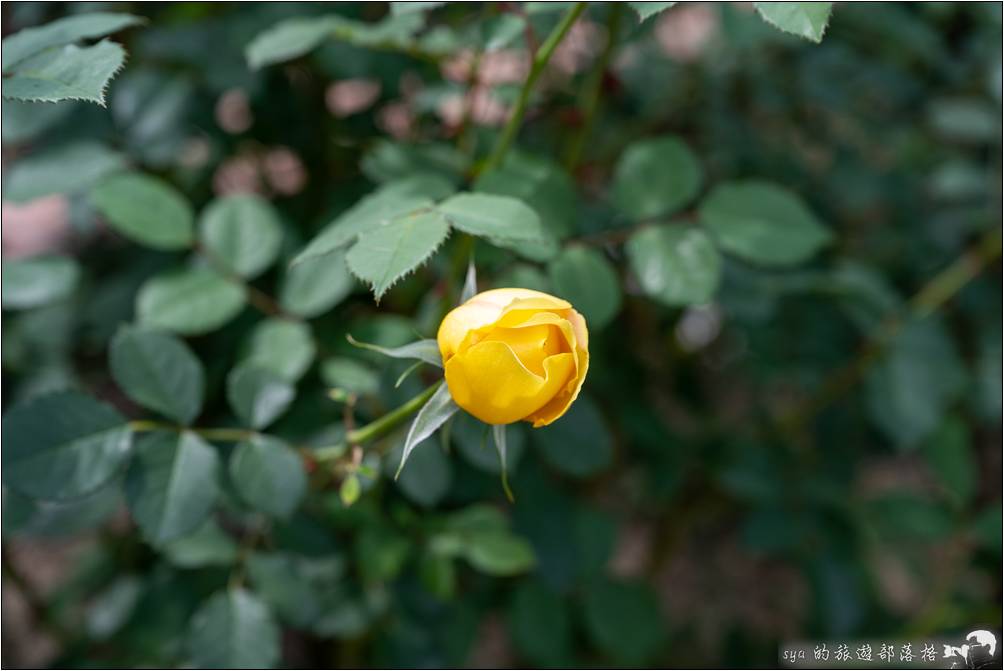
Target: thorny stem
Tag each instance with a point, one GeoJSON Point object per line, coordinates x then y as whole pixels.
{"type": "Point", "coordinates": [378, 427]}
{"type": "Point", "coordinates": [593, 88]}
{"type": "Point", "coordinates": [540, 61]}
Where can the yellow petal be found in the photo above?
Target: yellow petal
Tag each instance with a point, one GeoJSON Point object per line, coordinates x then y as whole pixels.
{"type": "Point", "coordinates": [531, 344]}
{"type": "Point", "coordinates": [489, 382]}
{"type": "Point", "coordinates": [557, 407]}
{"type": "Point", "coordinates": [484, 309]}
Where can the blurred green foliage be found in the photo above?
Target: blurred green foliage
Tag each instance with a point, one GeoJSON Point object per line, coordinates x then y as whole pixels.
{"type": "Point", "coordinates": [787, 253]}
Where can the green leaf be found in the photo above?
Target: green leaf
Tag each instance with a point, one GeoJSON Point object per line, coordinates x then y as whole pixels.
{"type": "Point", "coordinates": [579, 443]}
{"type": "Point", "coordinates": [439, 408]}
{"type": "Point", "coordinates": [258, 395]}
{"type": "Point", "coordinates": [269, 475]}
{"type": "Point", "coordinates": [914, 382]}
{"type": "Point", "coordinates": [805, 19]}
{"type": "Point", "coordinates": [498, 433]}
{"type": "Point", "coordinates": [31, 41]}
{"type": "Point", "coordinates": [428, 476]}
{"type": "Point", "coordinates": [647, 10]}
{"type": "Point", "coordinates": [412, 7]}
{"type": "Point", "coordinates": [470, 283]}
{"type": "Point", "coordinates": [66, 169]}
{"type": "Point", "coordinates": [314, 286]}
{"type": "Point", "coordinates": [763, 223]}
{"type": "Point", "coordinates": [353, 376]}
{"type": "Point", "coordinates": [288, 39]}
{"type": "Point", "coordinates": [949, 454]}
{"type": "Point", "coordinates": [540, 625]}
{"type": "Point", "coordinates": [297, 588]}
{"type": "Point", "coordinates": [234, 630]}
{"type": "Point", "coordinates": [438, 575]}
{"type": "Point", "coordinates": [391, 201]}
{"type": "Point", "coordinates": [470, 436]}
{"type": "Point", "coordinates": [902, 515]}
{"type": "Point", "coordinates": [538, 182]}
{"type": "Point", "coordinates": [30, 283]}
{"type": "Point", "coordinates": [112, 607]}
{"type": "Point", "coordinates": [145, 210]}
{"type": "Point", "coordinates": [586, 279]}
{"type": "Point", "coordinates": [386, 254]}
{"type": "Point", "coordinates": [190, 302]}
{"type": "Point", "coordinates": [423, 350]}
{"type": "Point", "coordinates": [208, 545]}
{"type": "Point", "coordinates": [623, 620]}
{"type": "Point", "coordinates": [499, 553]}
{"type": "Point", "coordinates": [349, 490]}
{"type": "Point", "coordinates": [65, 73]}
{"type": "Point", "coordinates": [675, 265]}
{"type": "Point", "coordinates": [283, 346]}
{"type": "Point", "coordinates": [171, 485]}
{"type": "Point", "coordinates": [498, 218]}
{"type": "Point", "coordinates": [243, 232]}
{"type": "Point", "coordinates": [25, 121]}
{"type": "Point", "coordinates": [159, 372]}
{"type": "Point", "coordinates": [655, 177]}
{"type": "Point", "coordinates": [62, 445]}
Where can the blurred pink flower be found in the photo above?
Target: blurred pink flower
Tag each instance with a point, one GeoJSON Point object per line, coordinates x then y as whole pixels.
{"type": "Point", "coordinates": [585, 39]}
{"type": "Point", "coordinates": [496, 67]}
{"type": "Point", "coordinates": [396, 119]}
{"type": "Point", "coordinates": [233, 112]}
{"type": "Point", "coordinates": [686, 30]}
{"type": "Point", "coordinates": [35, 227]}
{"type": "Point", "coordinates": [351, 96]}
{"type": "Point", "coordinates": [284, 171]}
{"type": "Point", "coordinates": [238, 174]}
{"type": "Point", "coordinates": [486, 110]}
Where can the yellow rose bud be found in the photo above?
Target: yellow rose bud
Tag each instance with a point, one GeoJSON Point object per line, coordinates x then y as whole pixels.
{"type": "Point", "coordinates": [514, 354]}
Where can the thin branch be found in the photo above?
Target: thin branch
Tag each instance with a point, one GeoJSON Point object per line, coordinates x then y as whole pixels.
{"type": "Point", "coordinates": [540, 61]}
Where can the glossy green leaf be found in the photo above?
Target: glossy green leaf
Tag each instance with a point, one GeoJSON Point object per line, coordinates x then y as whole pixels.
{"type": "Point", "coordinates": [587, 280]}
{"type": "Point", "coordinates": [66, 169]}
{"type": "Point", "coordinates": [384, 255]}
{"type": "Point", "coordinates": [473, 441]}
{"type": "Point", "coordinates": [353, 376]}
{"type": "Point", "coordinates": [949, 455]}
{"type": "Point", "coordinates": [288, 39]}
{"type": "Point", "coordinates": [258, 395]}
{"type": "Point", "coordinates": [623, 621]}
{"type": "Point", "coordinates": [391, 201]}
{"type": "Point", "coordinates": [31, 282]}
{"type": "Point", "coordinates": [31, 41]}
{"type": "Point", "coordinates": [314, 286]}
{"type": "Point", "coordinates": [234, 630]}
{"type": "Point", "coordinates": [499, 554]}
{"type": "Point", "coordinates": [655, 177]}
{"type": "Point", "coordinates": [426, 479]}
{"type": "Point", "coordinates": [171, 485]}
{"type": "Point", "coordinates": [805, 19]}
{"type": "Point", "coordinates": [674, 264]}
{"type": "Point", "coordinates": [498, 218]}
{"type": "Point", "coordinates": [145, 210]}
{"type": "Point", "coordinates": [269, 475]}
{"type": "Point", "coordinates": [65, 73]}
{"type": "Point", "coordinates": [439, 408]}
{"type": "Point", "coordinates": [283, 346]}
{"type": "Point", "coordinates": [579, 443]}
{"type": "Point", "coordinates": [909, 388]}
{"type": "Point", "coordinates": [647, 10]}
{"type": "Point", "coordinates": [424, 350]}
{"type": "Point", "coordinates": [158, 371]}
{"type": "Point", "coordinates": [112, 607]}
{"type": "Point", "coordinates": [208, 545]}
{"type": "Point", "coordinates": [243, 232]}
{"type": "Point", "coordinates": [62, 445]}
{"type": "Point", "coordinates": [298, 589]}
{"type": "Point", "coordinates": [763, 223]}
{"type": "Point", "coordinates": [190, 302]}
{"type": "Point", "coordinates": [538, 182]}
{"type": "Point", "coordinates": [540, 625]}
